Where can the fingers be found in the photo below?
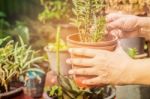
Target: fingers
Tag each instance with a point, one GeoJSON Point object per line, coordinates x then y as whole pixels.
{"type": "Point", "coordinates": [117, 24]}
{"type": "Point", "coordinates": [117, 32]}
{"type": "Point", "coordinates": [83, 52]}
{"type": "Point", "coordinates": [80, 62]}
{"type": "Point", "coordinates": [113, 16]}
{"type": "Point", "coordinates": [83, 71]}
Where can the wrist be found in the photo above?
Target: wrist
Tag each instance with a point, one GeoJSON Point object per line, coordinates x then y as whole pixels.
{"type": "Point", "coordinates": [144, 27]}
{"type": "Point", "coordinates": [128, 76]}
{"type": "Point", "coordinates": [143, 22]}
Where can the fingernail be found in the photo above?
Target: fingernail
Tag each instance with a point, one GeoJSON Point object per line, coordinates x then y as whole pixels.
{"type": "Point", "coordinates": [71, 72]}
{"type": "Point", "coordinates": [70, 50]}
{"type": "Point", "coordinates": [68, 61]}
{"type": "Point", "coordinates": [84, 82]}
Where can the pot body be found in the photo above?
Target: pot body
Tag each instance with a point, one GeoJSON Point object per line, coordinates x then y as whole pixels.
{"type": "Point", "coordinates": [15, 88]}
{"type": "Point", "coordinates": [64, 55]}
{"type": "Point", "coordinates": [73, 41]}
{"type": "Point", "coordinates": [34, 86]}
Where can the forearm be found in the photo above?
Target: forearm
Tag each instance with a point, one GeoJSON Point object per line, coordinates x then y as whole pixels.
{"type": "Point", "coordinates": [139, 72]}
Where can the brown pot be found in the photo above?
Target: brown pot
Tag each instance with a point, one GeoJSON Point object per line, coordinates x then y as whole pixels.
{"type": "Point", "coordinates": [52, 61]}
{"type": "Point", "coordinates": [73, 41]}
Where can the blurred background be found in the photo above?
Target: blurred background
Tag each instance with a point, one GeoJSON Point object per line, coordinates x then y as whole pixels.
{"type": "Point", "coordinates": [36, 21]}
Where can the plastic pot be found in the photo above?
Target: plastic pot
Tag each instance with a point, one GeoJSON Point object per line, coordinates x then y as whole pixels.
{"type": "Point", "coordinates": [64, 68]}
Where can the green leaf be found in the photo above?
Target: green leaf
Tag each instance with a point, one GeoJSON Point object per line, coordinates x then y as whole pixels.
{"type": "Point", "coordinates": [2, 14]}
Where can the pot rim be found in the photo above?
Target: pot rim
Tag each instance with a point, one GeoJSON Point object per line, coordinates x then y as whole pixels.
{"type": "Point", "coordinates": [61, 51]}
{"type": "Point", "coordinates": [107, 43]}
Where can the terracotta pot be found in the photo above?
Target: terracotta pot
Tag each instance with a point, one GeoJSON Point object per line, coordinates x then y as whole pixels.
{"type": "Point", "coordinates": [73, 41]}
{"type": "Point", "coordinates": [52, 61]}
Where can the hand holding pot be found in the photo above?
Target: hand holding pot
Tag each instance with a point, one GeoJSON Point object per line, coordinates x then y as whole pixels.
{"type": "Point", "coordinates": [107, 67]}
{"type": "Point", "coordinates": [123, 25]}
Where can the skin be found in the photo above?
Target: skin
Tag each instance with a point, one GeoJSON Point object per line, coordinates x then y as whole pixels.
{"type": "Point", "coordinates": [115, 67]}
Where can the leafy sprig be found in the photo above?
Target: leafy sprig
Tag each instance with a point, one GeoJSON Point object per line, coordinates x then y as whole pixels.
{"type": "Point", "coordinates": [89, 17]}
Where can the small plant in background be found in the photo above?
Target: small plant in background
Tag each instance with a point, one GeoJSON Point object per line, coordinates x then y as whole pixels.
{"type": "Point", "coordinates": [53, 9]}
{"type": "Point", "coordinates": [53, 46]}
{"type": "Point", "coordinates": [15, 60]}
{"type": "Point", "coordinates": [132, 52]}
{"type": "Point", "coordinates": [89, 19]}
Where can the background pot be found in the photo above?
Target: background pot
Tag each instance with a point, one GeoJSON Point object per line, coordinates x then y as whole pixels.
{"type": "Point", "coordinates": [137, 43]}
{"type": "Point", "coordinates": [73, 41]}
{"type": "Point", "coordinates": [133, 91]}
{"type": "Point", "coordinates": [64, 55]}
{"type": "Point", "coordinates": [15, 88]}
{"type": "Point", "coordinates": [34, 86]}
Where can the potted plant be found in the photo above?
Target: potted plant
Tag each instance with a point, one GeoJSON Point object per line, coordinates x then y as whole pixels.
{"type": "Point", "coordinates": [34, 82]}
{"type": "Point", "coordinates": [15, 60]}
{"type": "Point", "coordinates": [51, 52]}
{"type": "Point", "coordinates": [66, 88]}
{"type": "Point", "coordinates": [90, 21]}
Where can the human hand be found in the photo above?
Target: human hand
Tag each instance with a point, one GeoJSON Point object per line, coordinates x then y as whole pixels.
{"type": "Point", "coordinates": [123, 25]}
{"type": "Point", "coordinates": [108, 67]}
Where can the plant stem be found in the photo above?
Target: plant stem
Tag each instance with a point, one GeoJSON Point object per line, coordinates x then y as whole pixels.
{"type": "Point", "coordinates": [57, 50]}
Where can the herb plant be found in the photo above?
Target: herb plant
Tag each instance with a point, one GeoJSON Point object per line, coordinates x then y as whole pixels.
{"type": "Point", "coordinates": [15, 60]}
{"type": "Point", "coordinates": [89, 19]}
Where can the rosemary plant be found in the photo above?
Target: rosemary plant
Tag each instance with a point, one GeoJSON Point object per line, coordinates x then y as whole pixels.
{"type": "Point", "coordinates": [89, 19]}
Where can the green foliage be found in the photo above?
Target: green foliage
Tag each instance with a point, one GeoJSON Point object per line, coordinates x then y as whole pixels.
{"type": "Point", "coordinates": [62, 46]}
{"type": "Point", "coordinates": [21, 30]}
{"type": "Point", "coordinates": [15, 60]}
{"type": "Point", "coordinates": [132, 52]}
{"type": "Point", "coordinates": [57, 50]}
{"type": "Point", "coordinates": [4, 25]}
{"type": "Point", "coordinates": [89, 18]}
{"type": "Point", "coordinates": [53, 9]}
{"type": "Point", "coordinates": [56, 91]}
{"type": "Point", "coordinates": [69, 90]}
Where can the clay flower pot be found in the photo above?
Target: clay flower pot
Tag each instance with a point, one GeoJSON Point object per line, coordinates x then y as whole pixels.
{"type": "Point", "coordinates": [52, 61]}
{"type": "Point", "coordinates": [108, 43]}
